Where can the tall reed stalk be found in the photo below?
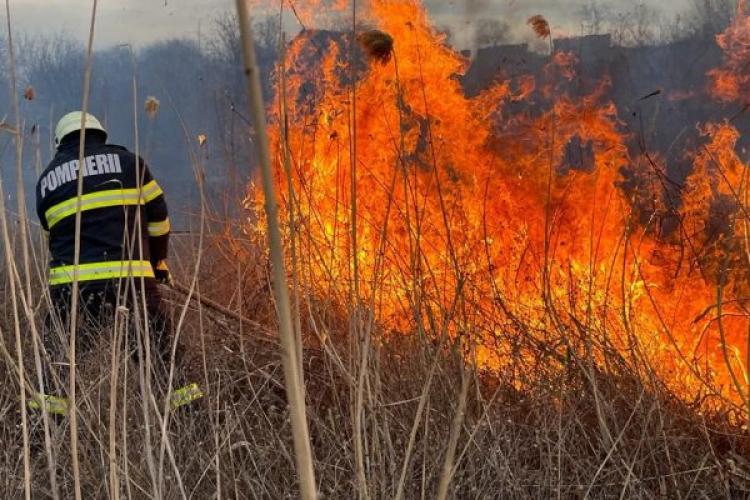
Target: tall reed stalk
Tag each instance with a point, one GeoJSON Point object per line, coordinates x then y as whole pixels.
{"type": "Point", "coordinates": [358, 334]}
{"type": "Point", "coordinates": [294, 382]}
{"type": "Point", "coordinates": [20, 369]}
{"type": "Point", "coordinates": [73, 411]}
{"type": "Point", "coordinates": [15, 292]}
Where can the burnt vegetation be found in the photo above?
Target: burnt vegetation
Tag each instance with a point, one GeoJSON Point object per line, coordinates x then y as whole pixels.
{"type": "Point", "coordinates": [467, 350]}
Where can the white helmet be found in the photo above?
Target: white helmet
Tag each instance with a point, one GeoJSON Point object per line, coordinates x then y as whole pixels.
{"type": "Point", "coordinates": [72, 123]}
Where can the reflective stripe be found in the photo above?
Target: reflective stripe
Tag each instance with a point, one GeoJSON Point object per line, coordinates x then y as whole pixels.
{"type": "Point", "coordinates": [156, 229]}
{"type": "Point", "coordinates": [102, 199]}
{"type": "Point", "coordinates": [186, 395]}
{"type": "Point", "coordinates": [47, 403]}
{"type": "Point", "coordinates": [151, 191]}
{"type": "Point", "coordinates": [101, 271]}
{"type": "Point", "coordinates": [91, 201]}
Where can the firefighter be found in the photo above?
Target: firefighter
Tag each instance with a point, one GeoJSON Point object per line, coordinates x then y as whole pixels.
{"type": "Point", "coordinates": [124, 236]}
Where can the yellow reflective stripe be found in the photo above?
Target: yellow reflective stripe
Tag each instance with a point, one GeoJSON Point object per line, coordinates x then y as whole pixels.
{"type": "Point", "coordinates": [91, 201]}
{"type": "Point", "coordinates": [48, 403]}
{"type": "Point", "coordinates": [151, 191]}
{"type": "Point", "coordinates": [186, 395]}
{"type": "Point", "coordinates": [101, 271]}
{"type": "Point", "coordinates": [161, 228]}
{"type": "Point", "coordinates": [103, 199]}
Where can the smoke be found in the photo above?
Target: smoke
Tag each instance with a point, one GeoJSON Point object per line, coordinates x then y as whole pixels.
{"type": "Point", "coordinates": [475, 7]}
{"type": "Point", "coordinates": [475, 24]}
{"type": "Point", "coordinates": [141, 23]}
{"type": "Point", "coordinates": [472, 23]}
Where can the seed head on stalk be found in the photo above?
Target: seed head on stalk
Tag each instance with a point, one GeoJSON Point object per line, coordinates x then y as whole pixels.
{"type": "Point", "coordinates": [540, 26]}
{"type": "Point", "coordinates": [152, 106]}
{"type": "Point", "coordinates": [377, 44]}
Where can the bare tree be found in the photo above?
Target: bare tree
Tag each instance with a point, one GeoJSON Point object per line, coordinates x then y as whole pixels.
{"type": "Point", "coordinates": [592, 18]}
{"type": "Point", "coordinates": [709, 17]}
{"type": "Point", "coordinates": [636, 27]}
{"type": "Point", "coordinates": [491, 32]}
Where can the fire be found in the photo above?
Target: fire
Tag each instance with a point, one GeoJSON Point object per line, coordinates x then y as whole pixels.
{"type": "Point", "coordinates": [507, 218]}
{"type": "Point", "coordinates": [730, 82]}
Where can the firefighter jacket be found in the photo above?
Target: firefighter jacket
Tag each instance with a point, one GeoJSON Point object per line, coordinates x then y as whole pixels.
{"type": "Point", "coordinates": [124, 220]}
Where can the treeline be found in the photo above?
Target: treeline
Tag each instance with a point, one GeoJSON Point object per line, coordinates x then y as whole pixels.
{"type": "Point", "coordinates": [199, 120]}
{"type": "Point", "coordinates": [630, 24]}
{"type": "Point", "coordinates": [199, 86]}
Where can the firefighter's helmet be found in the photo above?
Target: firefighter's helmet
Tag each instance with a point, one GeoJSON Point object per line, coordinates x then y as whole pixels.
{"type": "Point", "coordinates": [72, 123]}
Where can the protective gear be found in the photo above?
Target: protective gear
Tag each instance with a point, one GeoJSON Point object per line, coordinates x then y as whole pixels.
{"type": "Point", "coordinates": [72, 123]}
{"type": "Point", "coordinates": [162, 274]}
{"type": "Point", "coordinates": [120, 204]}
{"type": "Point", "coordinates": [117, 188]}
{"type": "Point", "coordinates": [186, 395]}
{"type": "Point", "coordinates": [51, 404]}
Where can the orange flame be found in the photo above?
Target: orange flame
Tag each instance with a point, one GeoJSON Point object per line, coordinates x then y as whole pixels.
{"type": "Point", "coordinates": [730, 81]}
{"type": "Point", "coordinates": [460, 203]}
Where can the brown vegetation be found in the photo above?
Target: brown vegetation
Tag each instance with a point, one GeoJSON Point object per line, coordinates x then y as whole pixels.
{"type": "Point", "coordinates": [397, 406]}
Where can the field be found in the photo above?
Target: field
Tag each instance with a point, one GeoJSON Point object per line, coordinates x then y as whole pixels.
{"type": "Point", "coordinates": [427, 295]}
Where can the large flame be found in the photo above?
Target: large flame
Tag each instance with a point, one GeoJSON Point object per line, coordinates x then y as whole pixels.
{"type": "Point", "coordinates": [513, 218]}
{"type": "Point", "coordinates": [730, 82]}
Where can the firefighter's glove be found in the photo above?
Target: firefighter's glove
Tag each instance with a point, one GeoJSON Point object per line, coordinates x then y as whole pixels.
{"type": "Point", "coordinates": [161, 273]}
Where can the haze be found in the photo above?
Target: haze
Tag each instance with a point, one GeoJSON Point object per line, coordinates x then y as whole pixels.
{"type": "Point", "coordinates": [139, 22]}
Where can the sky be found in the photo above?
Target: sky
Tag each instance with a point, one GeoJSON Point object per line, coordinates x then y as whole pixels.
{"type": "Point", "coordinates": [140, 22]}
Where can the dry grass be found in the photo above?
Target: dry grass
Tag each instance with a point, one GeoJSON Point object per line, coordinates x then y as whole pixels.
{"type": "Point", "coordinates": [390, 414]}
{"type": "Point", "coordinates": [541, 441]}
